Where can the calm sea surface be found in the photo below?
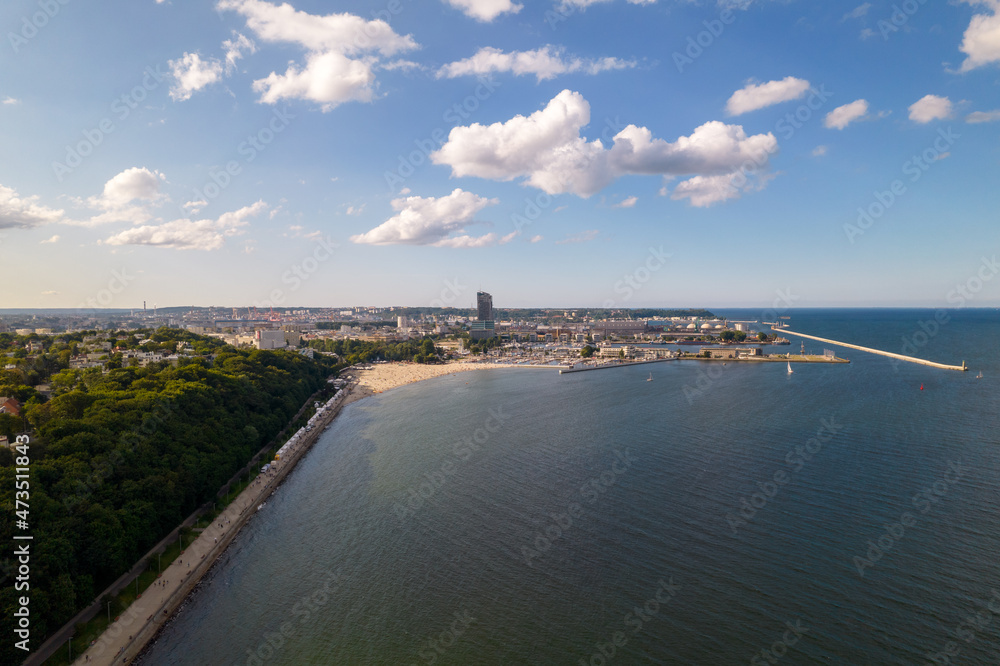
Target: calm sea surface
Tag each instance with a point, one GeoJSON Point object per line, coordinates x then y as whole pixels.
{"type": "Point", "coordinates": [523, 517]}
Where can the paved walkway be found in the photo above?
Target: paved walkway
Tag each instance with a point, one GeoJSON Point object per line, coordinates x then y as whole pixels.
{"type": "Point", "coordinates": [125, 638]}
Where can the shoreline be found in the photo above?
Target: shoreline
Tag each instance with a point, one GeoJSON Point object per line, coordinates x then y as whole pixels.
{"type": "Point", "coordinates": [387, 376]}
{"type": "Point", "coordinates": [163, 599]}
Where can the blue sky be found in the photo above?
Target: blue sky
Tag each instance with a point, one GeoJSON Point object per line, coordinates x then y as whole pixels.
{"type": "Point", "coordinates": [626, 153]}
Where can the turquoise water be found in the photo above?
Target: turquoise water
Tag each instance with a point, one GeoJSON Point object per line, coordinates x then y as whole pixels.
{"type": "Point", "coordinates": [596, 517]}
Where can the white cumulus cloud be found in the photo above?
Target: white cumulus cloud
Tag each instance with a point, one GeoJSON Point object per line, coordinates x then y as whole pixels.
{"type": "Point", "coordinates": [485, 10]}
{"type": "Point", "coordinates": [547, 151]}
{"type": "Point", "coordinates": [127, 197]}
{"type": "Point", "coordinates": [185, 234]}
{"type": "Point", "coordinates": [930, 107]}
{"type": "Point", "coordinates": [329, 79]}
{"type": "Point", "coordinates": [17, 212]}
{"type": "Point", "coordinates": [544, 63]}
{"type": "Point", "coordinates": [981, 42]}
{"type": "Point", "coordinates": [844, 115]}
{"type": "Point", "coordinates": [433, 221]}
{"type": "Point", "coordinates": [191, 74]}
{"type": "Point", "coordinates": [342, 51]}
{"type": "Point", "coordinates": [756, 96]}
{"type": "Point", "coordinates": [704, 191]}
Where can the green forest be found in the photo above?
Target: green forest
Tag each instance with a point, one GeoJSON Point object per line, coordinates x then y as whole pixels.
{"type": "Point", "coordinates": [121, 455]}
{"type": "Point", "coordinates": [366, 351]}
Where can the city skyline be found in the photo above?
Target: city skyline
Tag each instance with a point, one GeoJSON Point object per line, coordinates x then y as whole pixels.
{"type": "Point", "coordinates": [584, 153]}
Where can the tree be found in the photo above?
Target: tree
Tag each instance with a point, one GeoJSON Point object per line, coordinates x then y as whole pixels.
{"type": "Point", "coordinates": [741, 336]}
{"type": "Point", "coordinates": [728, 336]}
{"type": "Point", "coordinates": [762, 336]}
{"type": "Point", "coordinates": [587, 352]}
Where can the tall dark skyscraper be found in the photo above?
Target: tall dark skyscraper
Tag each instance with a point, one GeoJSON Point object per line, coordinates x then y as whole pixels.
{"type": "Point", "coordinates": [484, 302]}
{"type": "Point", "coordinates": [484, 326]}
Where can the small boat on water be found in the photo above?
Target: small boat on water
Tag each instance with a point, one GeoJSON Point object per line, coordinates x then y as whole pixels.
{"type": "Point", "coordinates": [650, 377]}
{"type": "Point", "coordinates": [790, 371]}
{"type": "Point", "coordinates": [980, 375]}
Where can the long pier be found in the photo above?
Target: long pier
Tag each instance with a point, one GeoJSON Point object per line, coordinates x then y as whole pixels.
{"type": "Point", "coordinates": [605, 366]}
{"type": "Point", "coordinates": [908, 359]}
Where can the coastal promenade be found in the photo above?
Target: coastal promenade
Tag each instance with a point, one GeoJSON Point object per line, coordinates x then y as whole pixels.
{"type": "Point", "coordinates": [139, 624]}
{"type": "Point", "coordinates": [125, 639]}
{"type": "Point", "coordinates": [908, 359]}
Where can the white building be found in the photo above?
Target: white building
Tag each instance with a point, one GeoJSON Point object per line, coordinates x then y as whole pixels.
{"type": "Point", "coordinates": [269, 339]}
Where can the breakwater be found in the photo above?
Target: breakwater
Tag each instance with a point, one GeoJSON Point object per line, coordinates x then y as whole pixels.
{"type": "Point", "coordinates": [901, 357]}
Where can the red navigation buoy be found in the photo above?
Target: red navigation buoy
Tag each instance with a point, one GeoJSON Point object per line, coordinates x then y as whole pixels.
{"type": "Point", "coordinates": [921, 387]}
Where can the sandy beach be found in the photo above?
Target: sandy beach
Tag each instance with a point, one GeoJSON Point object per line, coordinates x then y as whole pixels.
{"type": "Point", "coordinates": [385, 376]}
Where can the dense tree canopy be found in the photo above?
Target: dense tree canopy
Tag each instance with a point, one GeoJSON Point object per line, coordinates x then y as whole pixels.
{"type": "Point", "coordinates": [366, 351]}
{"type": "Point", "coordinates": [120, 457]}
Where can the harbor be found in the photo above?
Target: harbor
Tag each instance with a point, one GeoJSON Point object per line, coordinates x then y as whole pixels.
{"type": "Point", "coordinates": [761, 358]}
